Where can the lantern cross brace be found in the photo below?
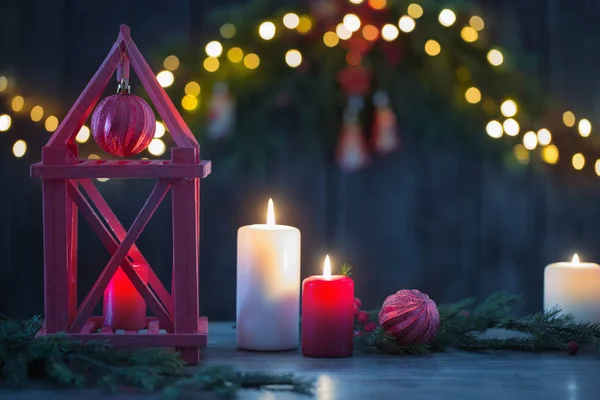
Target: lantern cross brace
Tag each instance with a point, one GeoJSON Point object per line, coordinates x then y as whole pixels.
{"type": "Point", "coordinates": [119, 253]}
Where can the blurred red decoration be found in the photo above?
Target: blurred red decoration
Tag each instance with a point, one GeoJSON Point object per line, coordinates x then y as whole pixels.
{"type": "Point", "coordinates": [411, 316]}
{"type": "Point", "coordinates": [363, 317]}
{"type": "Point", "coordinates": [123, 124]}
{"type": "Point", "coordinates": [572, 348]}
{"type": "Point", "coordinates": [370, 327]}
{"type": "Point", "coordinates": [355, 80]}
{"type": "Point", "coordinates": [385, 138]}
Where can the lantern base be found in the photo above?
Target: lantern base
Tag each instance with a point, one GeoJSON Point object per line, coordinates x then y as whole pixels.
{"type": "Point", "coordinates": [187, 343]}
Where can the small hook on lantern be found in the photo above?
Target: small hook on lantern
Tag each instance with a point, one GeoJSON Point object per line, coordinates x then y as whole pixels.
{"type": "Point", "coordinates": [124, 87]}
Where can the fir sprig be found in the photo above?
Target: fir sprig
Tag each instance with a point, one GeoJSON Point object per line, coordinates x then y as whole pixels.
{"type": "Point", "coordinates": [346, 270]}
{"type": "Point", "coordinates": [67, 363]}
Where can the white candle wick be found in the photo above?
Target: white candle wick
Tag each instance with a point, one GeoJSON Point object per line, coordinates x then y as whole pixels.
{"type": "Point", "coordinates": [327, 268]}
{"type": "Point", "coordinates": [575, 259]}
{"type": "Point", "coordinates": [270, 213]}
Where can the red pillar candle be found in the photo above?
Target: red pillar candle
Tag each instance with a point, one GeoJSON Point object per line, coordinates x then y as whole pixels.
{"type": "Point", "coordinates": [124, 308]}
{"type": "Point", "coordinates": [327, 315]}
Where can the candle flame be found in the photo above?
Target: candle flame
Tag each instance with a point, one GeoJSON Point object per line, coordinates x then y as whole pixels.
{"type": "Point", "coordinates": [270, 213]}
{"type": "Point", "coordinates": [575, 259]}
{"type": "Point", "coordinates": [327, 268]}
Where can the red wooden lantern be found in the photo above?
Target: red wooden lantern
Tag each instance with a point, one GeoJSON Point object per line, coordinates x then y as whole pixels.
{"type": "Point", "coordinates": [176, 322]}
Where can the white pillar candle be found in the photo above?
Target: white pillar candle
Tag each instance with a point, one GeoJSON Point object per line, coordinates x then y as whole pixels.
{"type": "Point", "coordinates": [575, 288]}
{"type": "Point", "coordinates": [268, 286]}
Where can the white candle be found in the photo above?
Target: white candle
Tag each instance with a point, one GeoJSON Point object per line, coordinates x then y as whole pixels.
{"type": "Point", "coordinates": [575, 288]}
{"type": "Point", "coordinates": [268, 286]}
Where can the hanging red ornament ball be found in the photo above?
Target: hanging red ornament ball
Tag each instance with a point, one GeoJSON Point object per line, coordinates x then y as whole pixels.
{"type": "Point", "coordinates": [572, 348]}
{"type": "Point", "coordinates": [123, 124]}
{"type": "Point", "coordinates": [369, 327]}
{"type": "Point", "coordinates": [411, 316]}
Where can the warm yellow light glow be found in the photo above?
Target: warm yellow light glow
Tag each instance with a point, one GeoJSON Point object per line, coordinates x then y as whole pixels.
{"type": "Point", "coordinates": [351, 22]}
{"type": "Point", "coordinates": [5, 122]}
{"type": "Point", "coordinates": [544, 137]}
{"type": "Point", "coordinates": [415, 11]}
{"type": "Point", "coordinates": [211, 64]}
{"type": "Point", "coordinates": [447, 17]}
{"type": "Point", "coordinates": [171, 63]}
{"type": "Point", "coordinates": [370, 32]}
{"type": "Point", "coordinates": [189, 103]}
{"type": "Point", "coordinates": [378, 4]}
{"type": "Point", "coordinates": [235, 55]}
{"type": "Point", "coordinates": [550, 154]}
{"type": "Point", "coordinates": [103, 179]}
{"type": "Point", "coordinates": [160, 130]}
{"type": "Point", "coordinates": [93, 157]}
{"type": "Point", "coordinates": [473, 95]}
{"type": "Point", "coordinates": [192, 88]}
{"type": "Point", "coordinates": [578, 161]}
{"type": "Point", "coordinates": [305, 24]}
{"type": "Point", "coordinates": [214, 49]}
{"type": "Point", "coordinates": [291, 20]}
{"type": "Point", "coordinates": [389, 32]}
{"type": "Point", "coordinates": [575, 259]}
{"type": "Point", "coordinates": [494, 129]}
{"type": "Point", "coordinates": [521, 154]}
{"type": "Point", "coordinates": [569, 119]}
{"type": "Point", "coordinates": [227, 31]}
{"type": "Point", "coordinates": [157, 147]}
{"type": "Point", "coordinates": [19, 148]}
{"type": "Point", "coordinates": [251, 61]}
{"type": "Point", "coordinates": [165, 78]}
{"type": "Point", "coordinates": [327, 268]}
{"type": "Point", "coordinates": [530, 140]}
{"type": "Point", "coordinates": [293, 58]}
{"type": "Point", "coordinates": [469, 34]}
{"type": "Point", "coordinates": [51, 123]}
{"type": "Point", "coordinates": [432, 47]}
{"type": "Point", "coordinates": [343, 32]}
{"type": "Point", "coordinates": [3, 83]}
{"type": "Point", "coordinates": [511, 127]}
{"type": "Point", "coordinates": [508, 108]}
{"type": "Point", "coordinates": [477, 22]}
{"type": "Point", "coordinates": [330, 39]}
{"type": "Point", "coordinates": [597, 167]}
{"type": "Point", "coordinates": [495, 57]}
{"type": "Point", "coordinates": [83, 135]}
{"type": "Point", "coordinates": [406, 24]}
{"type": "Point", "coordinates": [356, 1]}
{"type": "Point", "coordinates": [584, 127]}
{"type": "Point", "coordinates": [266, 30]}
{"type": "Point", "coordinates": [17, 103]}
{"type": "Point", "coordinates": [37, 113]}
{"type": "Point", "coordinates": [270, 213]}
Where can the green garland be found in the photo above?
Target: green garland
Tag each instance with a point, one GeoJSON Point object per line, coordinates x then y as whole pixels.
{"type": "Point", "coordinates": [462, 325]}
{"type": "Point", "coordinates": [61, 361]}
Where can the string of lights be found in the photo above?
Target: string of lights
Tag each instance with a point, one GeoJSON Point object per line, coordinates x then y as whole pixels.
{"type": "Point", "coordinates": [351, 24]}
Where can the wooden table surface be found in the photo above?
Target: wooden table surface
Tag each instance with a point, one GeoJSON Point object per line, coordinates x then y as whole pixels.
{"type": "Point", "coordinates": [448, 376]}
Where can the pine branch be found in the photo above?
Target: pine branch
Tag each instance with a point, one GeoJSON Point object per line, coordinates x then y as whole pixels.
{"type": "Point", "coordinates": [346, 270]}
{"type": "Point", "coordinates": [379, 341]}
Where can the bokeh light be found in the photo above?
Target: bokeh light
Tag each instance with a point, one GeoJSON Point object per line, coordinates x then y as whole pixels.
{"type": "Point", "coordinates": [17, 103]}
{"type": "Point", "coordinates": [469, 34]}
{"type": "Point", "coordinates": [495, 57]}
{"type": "Point", "coordinates": [331, 39]}
{"type": "Point", "coordinates": [544, 137]}
{"type": "Point", "coordinates": [51, 123]}
{"type": "Point", "coordinates": [530, 140]}
{"type": "Point", "coordinates": [477, 22]}
{"type": "Point", "coordinates": [578, 161]}
{"type": "Point", "coordinates": [251, 61]}
{"type": "Point", "coordinates": [447, 17]}
{"type": "Point", "coordinates": [165, 78]}
{"type": "Point", "coordinates": [214, 49]}
{"type": "Point", "coordinates": [5, 122]}
{"type": "Point", "coordinates": [415, 10]}
{"type": "Point", "coordinates": [19, 148]}
{"type": "Point", "coordinates": [192, 88]}
{"type": "Point", "coordinates": [37, 113]}
{"type": "Point", "coordinates": [3, 83]}
{"type": "Point", "coordinates": [569, 119]}
{"type": "Point", "coordinates": [550, 154]}
{"type": "Point", "coordinates": [83, 135]}
{"type": "Point", "coordinates": [432, 47]}
{"type": "Point", "coordinates": [511, 127]}
{"type": "Point", "coordinates": [305, 24]}
{"type": "Point", "coordinates": [597, 167]}
{"type": "Point", "coordinates": [157, 147]}
{"type": "Point", "coordinates": [189, 103]}
{"type": "Point", "coordinates": [370, 32]}
{"type": "Point", "coordinates": [266, 30]}
{"type": "Point", "coordinates": [377, 4]}
{"type": "Point", "coordinates": [227, 31]}
{"type": "Point", "coordinates": [473, 95]}
{"type": "Point", "coordinates": [343, 32]}
{"type": "Point", "coordinates": [291, 20]}
{"type": "Point", "coordinates": [406, 24]}
{"type": "Point", "coordinates": [235, 55]}
{"type": "Point", "coordinates": [351, 22]}
{"type": "Point", "coordinates": [521, 154]}
{"type": "Point", "coordinates": [494, 129]}
{"type": "Point", "coordinates": [389, 32]}
{"type": "Point", "coordinates": [293, 58]}
{"type": "Point", "coordinates": [171, 63]}
{"type": "Point", "coordinates": [160, 130]}
{"type": "Point", "coordinates": [211, 64]}
{"type": "Point", "coordinates": [509, 108]}
{"type": "Point", "coordinates": [584, 127]}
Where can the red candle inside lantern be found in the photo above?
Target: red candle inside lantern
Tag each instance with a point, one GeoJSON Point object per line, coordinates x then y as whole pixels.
{"type": "Point", "coordinates": [124, 308]}
{"type": "Point", "coordinates": [327, 315]}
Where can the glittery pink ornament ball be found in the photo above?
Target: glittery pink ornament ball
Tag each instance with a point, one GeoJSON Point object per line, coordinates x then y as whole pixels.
{"type": "Point", "coordinates": [411, 316]}
{"type": "Point", "coordinates": [123, 124]}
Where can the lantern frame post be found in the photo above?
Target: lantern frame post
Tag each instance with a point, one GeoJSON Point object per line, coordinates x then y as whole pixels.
{"type": "Point", "coordinates": [66, 180]}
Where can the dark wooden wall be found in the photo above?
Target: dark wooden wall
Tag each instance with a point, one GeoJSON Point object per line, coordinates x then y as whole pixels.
{"type": "Point", "coordinates": [442, 219]}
